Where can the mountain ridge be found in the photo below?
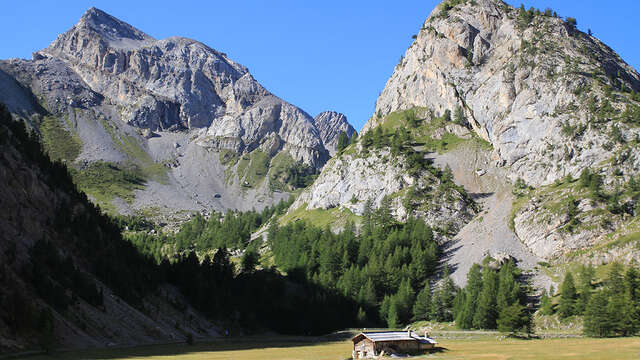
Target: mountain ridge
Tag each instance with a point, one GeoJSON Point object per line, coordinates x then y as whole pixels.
{"type": "Point", "coordinates": [545, 103]}
{"type": "Point", "coordinates": [137, 101]}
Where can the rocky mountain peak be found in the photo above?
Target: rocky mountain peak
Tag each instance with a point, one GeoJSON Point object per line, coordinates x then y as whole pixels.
{"type": "Point", "coordinates": [174, 105]}
{"type": "Point", "coordinates": [118, 33]}
{"type": "Point", "coordinates": [516, 77]}
{"type": "Point", "coordinates": [330, 124]}
{"type": "Point", "coordinates": [179, 83]}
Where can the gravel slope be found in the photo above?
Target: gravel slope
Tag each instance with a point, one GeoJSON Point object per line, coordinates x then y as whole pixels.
{"type": "Point", "coordinates": [488, 233]}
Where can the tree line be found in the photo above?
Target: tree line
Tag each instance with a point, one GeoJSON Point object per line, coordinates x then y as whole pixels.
{"type": "Point", "coordinates": [231, 230]}
{"type": "Point", "coordinates": [384, 260]}
{"type": "Point", "coordinates": [610, 307]}
{"type": "Point", "coordinates": [83, 244]}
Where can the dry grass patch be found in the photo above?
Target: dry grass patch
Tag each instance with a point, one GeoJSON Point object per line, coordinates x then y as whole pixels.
{"type": "Point", "coordinates": [261, 348]}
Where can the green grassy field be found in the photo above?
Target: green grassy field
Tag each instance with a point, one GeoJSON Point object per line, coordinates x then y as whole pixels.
{"type": "Point", "coordinates": [488, 347]}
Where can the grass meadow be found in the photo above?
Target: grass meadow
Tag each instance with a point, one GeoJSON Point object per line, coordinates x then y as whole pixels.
{"type": "Point", "coordinates": [270, 348]}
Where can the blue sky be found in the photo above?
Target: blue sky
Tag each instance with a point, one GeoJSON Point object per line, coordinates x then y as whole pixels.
{"type": "Point", "coordinates": [318, 55]}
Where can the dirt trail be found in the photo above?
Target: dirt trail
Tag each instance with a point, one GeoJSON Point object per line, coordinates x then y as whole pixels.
{"type": "Point", "coordinates": [488, 233]}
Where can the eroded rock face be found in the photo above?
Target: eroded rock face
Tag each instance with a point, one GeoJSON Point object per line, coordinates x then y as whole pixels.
{"type": "Point", "coordinates": [129, 98]}
{"type": "Point", "coordinates": [550, 100]}
{"type": "Point", "coordinates": [517, 85]}
{"type": "Point", "coordinates": [350, 180]}
{"type": "Point", "coordinates": [178, 83]}
{"type": "Point", "coordinates": [330, 124]}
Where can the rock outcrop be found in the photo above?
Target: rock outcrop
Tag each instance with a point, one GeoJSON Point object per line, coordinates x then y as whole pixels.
{"type": "Point", "coordinates": [179, 83]}
{"type": "Point", "coordinates": [130, 98]}
{"type": "Point", "coordinates": [519, 79]}
{"type": "Point", "coordinates": [548, 100]}
{"type": "Point", "coordinates": [330, 124]}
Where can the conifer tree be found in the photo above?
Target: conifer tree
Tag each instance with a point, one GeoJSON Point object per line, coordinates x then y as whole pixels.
{"type": "Point", "coordinates": [343, 141]}
{"type": "Point", "coordinates": [513, 318]}
{"type": "Point", "coordinates": [361, 317]}
{"type": "Point", "coordinates": [447, 115]}
{"type": "Point", "coordinates": [422, 306]}
{"type": "Point", "coordinates": [250, 260]}
{"type": "Point", "coordinates": [367, 216]}
{"type": "Point", "coordinates": [585, 287]}
{"type": "Point", "coordinates": [486, 313]}
{"type": "Point", "coordinates": [354, 138]}
{"type": "Point", "coordinates": [384, 308]}
{"type": "Point", "coordinates": [632, 301]}
{"type": "Point", "coordinates": [448, 295]}
{"type": "Point", "coordinates": [508, 288]}
{"type": "Point", "coordinates": [383, 213]}
{"type": "Point", "coordinates": [393, 320]}
{"type": "Point", "coordinates": [566, 306]}
{"type": "Point", "coordinates": [404, 299]}
{"type": "Point", "coordinates": [367, 294]}
{"type": "Point", "coordinates": [546, 306]}
{"type": "Point", "coordinates": [596, 319]}
{"type": "Point", "coordinates": [459, 114]}
{"type": "Point", "coordinates": [464, 317]}
{"type": "Point", "coordinates": [378, 137]}
{"type": "Point", "coordinates": [615, 282]}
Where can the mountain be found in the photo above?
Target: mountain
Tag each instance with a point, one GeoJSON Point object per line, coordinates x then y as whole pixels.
{"type": "Point", "coordinates": [516, 105]}
{"type": "Point", "coordinates": [67, 278]}
{"type": "Point", "coordinates": [330, 124]}
{"type": "Point", "coordinates": [196, 129]}
{"type": "Point", "coordinates": [74, 277]}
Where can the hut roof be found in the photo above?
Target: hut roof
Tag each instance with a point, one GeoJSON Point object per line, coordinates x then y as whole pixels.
{"type": "Point", "coordinates": [393, 336]}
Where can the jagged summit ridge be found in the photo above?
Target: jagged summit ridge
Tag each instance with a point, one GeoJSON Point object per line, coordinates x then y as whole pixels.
{"type": "Point", "coordinates": [330, 124]}
{"type": "Point", "coordinates": [179, 83]}
{"type": "Point", "coordinates": [175, 104]}
{"type": "Point", "coordinates": [518, 78]}
{"type": "Point", "coordinates": [117, 32]}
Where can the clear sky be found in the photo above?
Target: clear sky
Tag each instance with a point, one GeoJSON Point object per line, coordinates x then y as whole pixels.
{"type": "Point", "coordinates": [318, 55]}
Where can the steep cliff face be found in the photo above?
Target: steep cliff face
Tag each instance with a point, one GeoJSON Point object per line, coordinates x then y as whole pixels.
{"type": "Point", "coordinates": [132, 99]}
{"type": "Point", "coordinates": [518, 79]}
{"type": "Point", "coordinates": [395, 164]}
{"type": "Point", "coordinates": [550, 101]}
{"type": "Point", "coordinates": [330, 124]}
{"type": "Point", "coordinates": [179, 83]}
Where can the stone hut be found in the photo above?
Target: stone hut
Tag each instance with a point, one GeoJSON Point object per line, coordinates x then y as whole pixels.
{"type": "Point", "coordinates": [371, 344]}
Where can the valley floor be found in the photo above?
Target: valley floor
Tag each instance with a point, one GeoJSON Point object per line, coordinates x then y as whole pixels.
{"type": "Point", "coordinates": [480, 346]}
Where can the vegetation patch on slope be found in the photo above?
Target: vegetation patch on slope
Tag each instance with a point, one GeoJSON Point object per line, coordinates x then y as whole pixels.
{"type": "Point", "coordinates": [59, 142]}
{"type": "Point", "coordinates": [586, 204]}
{"type": "Point", "coordinates": [282, 172]}
{"type": "Point", "coordinates": [130, 146]}
{"type": "Point", "coordinates": [286, 174]}
{"type": "Point", "coordinates": [335, 217]}
{"type": "Point", "coordinates": [253, 168]}
{"type": "Point", "coordinates": [432, 132]}
{"type": "Point", "coordinates": [104, 181]}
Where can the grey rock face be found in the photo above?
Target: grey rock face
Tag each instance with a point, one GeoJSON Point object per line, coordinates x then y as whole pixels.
{"type": "Point", "coordinates": [548, 98]}
{"type": "Point", "coordinates": [179, 83]}
{"type": "Point", "coordinates": [58, 86]}
{"type": "Point", "coordinates": [19, 99]}
{"type": "Point", "coordinates": [350, 180]}
{"type": "Point", "coordinates": [131, 98]}
{"type": "Point", "coordinates": [517, 86]}
{"type": "Point", "coordinates": [330, 124]}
